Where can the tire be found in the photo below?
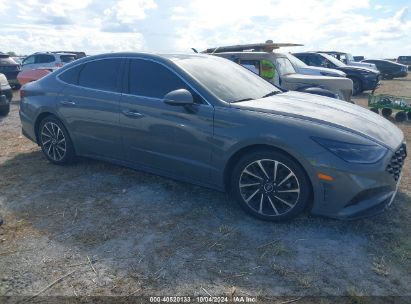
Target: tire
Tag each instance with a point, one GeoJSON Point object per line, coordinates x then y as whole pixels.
{"type": "Point", "coordinates": [409, 115]}
{"type": "Point", "coordinates": [386, 112]}
{"type": "Point", "coordinates": [356, 85]}
{"type": "Point", "coordinates": [375, 110]}
{"type": "Point", "coordinates": [55, 141]}
{"type": "Point", "coordinates": [270, 196]}
{"type": "Point", "coordinates": [400, 116]}
{"type": "Point", "coordinates": [4, 110]}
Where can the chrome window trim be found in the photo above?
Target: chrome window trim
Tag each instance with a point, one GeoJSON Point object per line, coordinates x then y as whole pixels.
{"type": "Point", "coordinates": [128, 57]}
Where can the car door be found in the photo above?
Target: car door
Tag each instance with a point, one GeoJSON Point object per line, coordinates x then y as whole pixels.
{"type": "Point", "coordinates": [89, 104]}
{"type": "Point", "coordinates": [167, 139]}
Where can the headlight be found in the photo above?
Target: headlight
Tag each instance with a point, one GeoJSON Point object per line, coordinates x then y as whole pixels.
{"type": "Point", "coordinates": [353, 153]}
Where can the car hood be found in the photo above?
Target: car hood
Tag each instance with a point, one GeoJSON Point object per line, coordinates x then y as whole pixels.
{"type": "Point", "coordinates": [329, 72]}
{"type": "Point", "coordinates": [357, 68]}
{"type": "Point", "coordinates": [327, 111]}
{"type": "Point", "coordinates": [337, 83]}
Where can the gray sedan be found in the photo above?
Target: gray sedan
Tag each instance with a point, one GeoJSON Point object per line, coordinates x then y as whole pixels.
{"type": "Point", "coordinates": [208, 121]}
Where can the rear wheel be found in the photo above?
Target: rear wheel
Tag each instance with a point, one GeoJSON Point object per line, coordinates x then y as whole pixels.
{"type": "Point", "coordinates": [270, 185]}
{"type": "Point", "coordinates": [55, 141]}
{"type": "Point", "coordinates": [375, 110]}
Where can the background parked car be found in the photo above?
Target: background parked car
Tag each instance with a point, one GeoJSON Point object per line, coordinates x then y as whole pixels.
{"type": "Point", "coordinates": [363, 78]}
{"type": "Point", "coordinates": [389, 69]}
{"type": "Point", "coordinates": [10, 69]}
{"type": "Point", "coordinates": [348, 59]}
{"type": "Point", "coordinates": [286, 76]}
{"type": "Point", "coordinates": [6, 95]}
{"type": "Point", "coordinates": [405, 60]}
{"type": "Point", "coordinates": [302, 68]}
{"type": "Point", "coordinates": [27, 76]}
{"type": "Point", "coordinates": [47, 60]}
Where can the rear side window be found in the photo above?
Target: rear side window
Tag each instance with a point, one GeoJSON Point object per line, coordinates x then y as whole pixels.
{"type": "Point", "coordinates": [67, 58]}
{"type": "Point", "coordinates": [100, 74]}
{"type": "Point", "coordinates": [71, 75]}
{"type": "Point", "coordinates": [150, 79]}
{"type": "Point", "coordinates": [252, 65]}
{"type": "Point", "coordinates": [44, 58]}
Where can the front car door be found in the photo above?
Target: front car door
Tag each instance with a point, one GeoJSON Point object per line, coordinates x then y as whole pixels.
{"type": "Point", "coordinates": [90, 106]}
{"type": "Point", "coordinates": [166, 139]}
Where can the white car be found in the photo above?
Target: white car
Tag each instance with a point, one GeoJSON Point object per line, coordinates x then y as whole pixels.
{"type": "Point", "coordinates": [302, 68]}
{"type": "Point", "coordinates": [46, 60]}
{"type": "Point", "coordinates": [348, 59]}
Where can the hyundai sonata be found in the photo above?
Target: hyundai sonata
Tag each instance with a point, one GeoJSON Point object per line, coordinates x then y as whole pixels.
{"type": "Point", "coordinates": [208, 121]}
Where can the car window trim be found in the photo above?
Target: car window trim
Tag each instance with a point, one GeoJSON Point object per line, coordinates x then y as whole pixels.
{"type": "Point", "coordinates": [123, 80]}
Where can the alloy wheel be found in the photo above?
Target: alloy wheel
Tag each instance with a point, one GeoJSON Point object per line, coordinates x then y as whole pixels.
{"type": "Point", "coordinates": [53, 141]}
{"type": "Point", "coordinates": [269, 187]}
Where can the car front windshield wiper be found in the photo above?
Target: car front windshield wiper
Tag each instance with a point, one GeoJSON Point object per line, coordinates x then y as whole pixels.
{"type": "Point", "coordinates": [244, 99]}
{"type": "Point", "coordinates": [271, 94]}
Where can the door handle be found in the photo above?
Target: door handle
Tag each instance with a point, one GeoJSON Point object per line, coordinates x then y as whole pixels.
{"type": "Point", "coordinates": [132, 114]}
{"type": "Point", "coordinates": [68, 102]}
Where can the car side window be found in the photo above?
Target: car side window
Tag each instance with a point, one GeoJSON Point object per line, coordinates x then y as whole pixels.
{"type": "Point", "coordinates": [28, 60]}
{"type": "Point", "coordinates": [252, 65]}
{"type": "Point", "coordinates": [44, 58]}
{"type": "Point", "coordinates": [100, 74]}
{"type": "Point", "coordinates": [71, 75]}
{"type": "Point", "coordinates": [151, 79]}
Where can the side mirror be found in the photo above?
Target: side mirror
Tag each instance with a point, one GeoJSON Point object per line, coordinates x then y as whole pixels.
{"type": "Point", "coordinates": [180, 97]}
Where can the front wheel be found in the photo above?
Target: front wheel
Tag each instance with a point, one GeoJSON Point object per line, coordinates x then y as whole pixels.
{"type": "Point", "coordinates": [55, 141]}
{"type": "Point", "coordinates": [270, 185]}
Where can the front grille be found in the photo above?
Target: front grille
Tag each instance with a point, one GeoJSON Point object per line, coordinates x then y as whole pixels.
{"type": "Point", "coordinates": [397, 161]}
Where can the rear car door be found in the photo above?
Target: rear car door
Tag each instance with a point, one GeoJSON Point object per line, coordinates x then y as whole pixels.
{"type": "Point", "coordinates": [90, 106]}
{"type": "Point", "coordinates": [172, 140]}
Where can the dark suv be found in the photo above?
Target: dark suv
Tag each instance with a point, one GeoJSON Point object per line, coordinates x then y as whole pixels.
{"type": "Point", "coordinates": [363, 78]}
{"type": "Point", "coordinates": [10, 69]}
{"type": "Point", "coordinates": [405, 60]}
{"type": "Point", "coordinates": [389, 69]}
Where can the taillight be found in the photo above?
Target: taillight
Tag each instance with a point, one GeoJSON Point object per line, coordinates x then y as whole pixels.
{"type": "Point", "coordinates": [59, 65]}
{"type": "Point", "coordinates": [22, 94]}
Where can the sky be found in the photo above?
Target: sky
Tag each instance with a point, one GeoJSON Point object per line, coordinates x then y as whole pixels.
{"type": "Point", "coordinates": [375, 29]}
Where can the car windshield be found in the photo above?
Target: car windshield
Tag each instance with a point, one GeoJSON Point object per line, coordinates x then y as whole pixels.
{"type": "Point", "coordinates": [228, 81]}
{"type": "Point", "coordinates": [296, 62]}
{"type": "Point", "coordinates": [333, 60]}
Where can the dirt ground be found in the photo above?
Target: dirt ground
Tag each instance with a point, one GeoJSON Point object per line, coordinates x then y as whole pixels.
{"type": "Point", "coordinates": [106, 230]}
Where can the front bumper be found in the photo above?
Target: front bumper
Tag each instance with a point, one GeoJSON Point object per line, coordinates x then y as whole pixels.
{"type": "Point", "coordinates": [361, 192]}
